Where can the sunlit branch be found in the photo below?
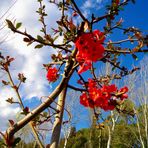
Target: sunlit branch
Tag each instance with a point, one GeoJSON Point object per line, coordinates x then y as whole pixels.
{"type": "Point", "coordinates": [122, 41]}
{"type": "Point", "coordinates": [62, 18]}
{"type": "Point", "coordinates": [127, 51]}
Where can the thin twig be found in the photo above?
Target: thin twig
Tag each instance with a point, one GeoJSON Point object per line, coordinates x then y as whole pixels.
{"type": "Point", "coordinates": [76, 88]}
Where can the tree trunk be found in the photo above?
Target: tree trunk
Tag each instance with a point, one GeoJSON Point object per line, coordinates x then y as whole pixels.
{"type": "Point", "coordinates": [58, 120]}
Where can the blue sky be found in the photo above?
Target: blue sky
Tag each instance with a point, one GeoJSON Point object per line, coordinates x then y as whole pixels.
{"type": "Point", "coordinates": [30, 61]}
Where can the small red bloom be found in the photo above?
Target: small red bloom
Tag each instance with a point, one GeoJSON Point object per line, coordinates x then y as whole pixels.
{"type": "Point", "coordinates": [52, 74]}
{"type": "Point", "coordinates": [84, 67]}
{"type": "Point", "coordinates": [124, 89]}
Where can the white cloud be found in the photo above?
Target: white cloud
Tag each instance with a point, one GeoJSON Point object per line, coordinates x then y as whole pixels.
{"type": "Point", "coordinates": [88, 5]}
{"type": "Point", "coordinates": [92, 4]}
{"type": "Point", "coordinates": [6, 112]}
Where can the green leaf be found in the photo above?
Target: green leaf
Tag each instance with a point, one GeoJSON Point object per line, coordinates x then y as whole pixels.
{"type": "Point", "coordinates": [113, 68]}
{"type": "Point", "coordinates": [60, 29]}
{"type": "Point", "coordinates": [121, 8]}
{"type": "Point", "coordinates": [18, 25]}
{"type": "Point", "coordinates": [134, 57]}
{"type": "Point", "coordinates": [38, 46]}
{"type": "Point", "coordinates": [45, 114]}
{"type": "Point", "coordinates": [40, 38]}
{"type": "Point", "coordinates": [55, 38]}
{"type": "Point", "coordinates": [2, 143]}
{"type": "Point", "coordinates": [10, 25]}
{"type": "Point", "coordinates": [16, 141]}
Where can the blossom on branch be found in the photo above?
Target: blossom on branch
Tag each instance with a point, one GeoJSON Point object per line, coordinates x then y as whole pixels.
{"type": "Point", "coordinates": [104, 97]}
{"type": "Point", "coordinates": [52, 74]}
{"type": "Point", "coordinates": [124, 90]}
{"type": "Point", "coordinates": [90, 49]}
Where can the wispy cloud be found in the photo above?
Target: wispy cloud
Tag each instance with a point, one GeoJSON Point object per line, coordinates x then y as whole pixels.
{"type": "Point", "coordinates": [88, 5]}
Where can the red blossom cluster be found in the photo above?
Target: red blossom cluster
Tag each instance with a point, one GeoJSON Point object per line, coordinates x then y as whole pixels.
{"type": "Point", "coordinates": [90, 49]}
{"type": "Point", "coordinates": [104, 97]}
{"type": "Point", "coordinates": [52, 74]}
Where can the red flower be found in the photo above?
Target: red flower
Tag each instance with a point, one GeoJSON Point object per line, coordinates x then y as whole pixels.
{"type": "Point", "coordinates": [84, 67]}
{"type": "Point", "coordinates": [90, 49]}
{"type": "Point", "coordinates": [102, 97]}
{"type": "Point", "coordinates": [91, 84]}
{"type": "Point", "coordinates": [52, 74]}
{"type": "Point", "coordinates": [99, 35]}
{"type": "Point", "coordinates": [84, 100]}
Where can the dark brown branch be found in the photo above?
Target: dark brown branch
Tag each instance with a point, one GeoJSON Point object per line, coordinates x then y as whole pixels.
{"type": "Point", "coordinates": [76, 88]}
{"type": "Point", "coordinates": [114, 64]}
